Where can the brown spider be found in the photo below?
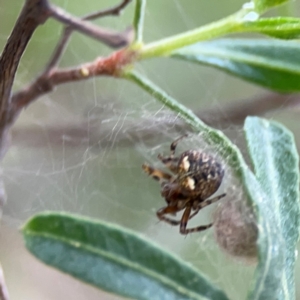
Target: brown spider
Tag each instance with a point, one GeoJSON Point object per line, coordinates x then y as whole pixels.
{"type": "Point", "coordinates": [196, 176]}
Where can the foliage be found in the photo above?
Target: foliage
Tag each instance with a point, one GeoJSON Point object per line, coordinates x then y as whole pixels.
{"type": "Point", "coordinates": [121, 262]}
{"type": "Point", "coordinates": [114, 259]}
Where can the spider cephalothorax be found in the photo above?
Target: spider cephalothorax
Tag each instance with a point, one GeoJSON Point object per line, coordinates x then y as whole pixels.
{"type": "Point", "coordinates": [196, 176]}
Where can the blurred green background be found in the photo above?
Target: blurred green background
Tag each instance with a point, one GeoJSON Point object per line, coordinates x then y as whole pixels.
{"type": "Point", "coordinates": [80, 148]}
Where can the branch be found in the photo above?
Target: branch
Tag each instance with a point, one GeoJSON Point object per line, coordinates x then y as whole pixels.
{"type": "Point", "coordinates": [109, 66]}
{"type": "Point", "coordinates": [34, 13]}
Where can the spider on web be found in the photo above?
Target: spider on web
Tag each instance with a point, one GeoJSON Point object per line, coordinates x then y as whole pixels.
{"type": "Point", "coordinates": [195, 177]}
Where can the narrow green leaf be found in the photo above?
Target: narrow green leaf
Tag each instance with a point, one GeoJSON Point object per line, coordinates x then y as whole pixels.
{"type": "Point", "coordinates": [138, 22]}
{"type": "Point", "coordinates": [263, 5]}
{"type": "Point", "coordinates": [271, 63]}
{"type": "Point", "coordinates": [274, 156]}
{"type": "Point", "coordinates": [280, 27]}
{"type": "Point", "coordinates": [114, 259]}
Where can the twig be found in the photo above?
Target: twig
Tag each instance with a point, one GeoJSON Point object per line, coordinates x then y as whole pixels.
{"type": "Point", "coordinates": [58, 51]}
{"type": "Point", "coordinates": [109, 37]}
{"type": "Point", "coordinates": [116, 10]}
{"type": "Point", "coordinates": [108, 66]}
{"type": "Point", "coordinates": [68, 30]}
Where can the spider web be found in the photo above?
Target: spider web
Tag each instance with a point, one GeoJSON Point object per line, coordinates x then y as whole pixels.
{"type": "Point", "coordinates": [80, 149]}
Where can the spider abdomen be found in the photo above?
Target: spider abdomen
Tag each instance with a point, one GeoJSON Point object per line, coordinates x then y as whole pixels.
{"type": "Point", "coordinates": [199, 174]}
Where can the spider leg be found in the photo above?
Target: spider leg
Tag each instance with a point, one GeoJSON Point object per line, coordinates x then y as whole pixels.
{"type": "Point", "coordinates": [195, 229]}
{"type": "Point", "coordinates": [168, 210]}
{"type": "Point", "coordinates": [171, 161]}
{"type": "Point", "coordinates": [206, 203]}
{"type": "Point", "coordinates": [184, 221]}
{"type": "Point", "coordinates": [174, 145]}
{"type": "Point", "coordinates": [187, 216]}
{"type": "Point", "coordinates": [156, 173]}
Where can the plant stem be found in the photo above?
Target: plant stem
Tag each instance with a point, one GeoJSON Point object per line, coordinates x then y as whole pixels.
{"type": "Point", "coordinates": [138, 22]}
{"type": "Point", "coordinates": [164, 98]}
{"type": "Point", "coordinates": [230, 24]}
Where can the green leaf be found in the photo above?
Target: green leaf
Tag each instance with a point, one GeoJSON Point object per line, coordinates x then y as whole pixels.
{"type": "Point", "coordinates": [263, 5]}
{"type": "Point", "coordinates": [275, 160]}
{"type": "Point", "coordinates": [114, 259]}
{"type": "Point", "coordinates": [271, 63]}
{"type": "Point", "coordinates": [280, 27]}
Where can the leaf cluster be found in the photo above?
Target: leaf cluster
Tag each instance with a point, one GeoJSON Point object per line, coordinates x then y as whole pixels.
{"type": "Point", "coordinates": [119, 261]}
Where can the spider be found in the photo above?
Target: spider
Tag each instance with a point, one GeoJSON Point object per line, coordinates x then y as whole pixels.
{"type": "Point", "coordinates": [195, 177]}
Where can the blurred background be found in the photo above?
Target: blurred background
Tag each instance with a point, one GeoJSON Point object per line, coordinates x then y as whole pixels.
{"type": "Point", "coordinates": [80, 148]}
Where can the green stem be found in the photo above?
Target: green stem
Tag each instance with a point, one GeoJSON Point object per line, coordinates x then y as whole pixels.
{"type": "Point", "coordinates": [224, 26]}
{"type": "Point", "coordinates": [138, 22]}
